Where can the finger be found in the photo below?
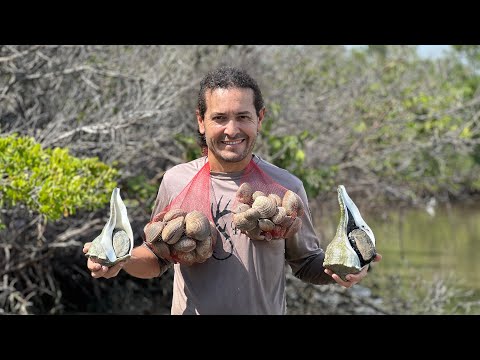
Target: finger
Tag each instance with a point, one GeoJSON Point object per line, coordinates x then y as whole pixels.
{"type": "Point", "coordinates": [93, 266]}
{"type": "Point", "coordinates": [355, 278]}
{"type": "Point", "coordinates": [114, 270]}
{"type": "Point", "coordinates": [328, 271]}
{"type": "Point", "coordinates": [342, 282]}
{"type": "Point", "coordinates": [101, 272]}
{"type": "Point", "coordinates": [377, 258]}
{"type": "Point", "coordinates": [86, 246]}
{"type": "Point", "coordinates": [338, 279]}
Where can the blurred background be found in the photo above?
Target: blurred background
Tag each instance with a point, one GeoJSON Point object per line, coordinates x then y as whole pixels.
{"type": "Point", "coordinates": [398, 125]}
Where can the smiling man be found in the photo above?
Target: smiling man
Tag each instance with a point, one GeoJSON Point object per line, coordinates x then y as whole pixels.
{"type": "Point", "coordinates": [243, 275]}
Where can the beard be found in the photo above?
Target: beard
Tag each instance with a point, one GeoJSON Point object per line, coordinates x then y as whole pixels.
{"type": "Point", "coordinates": [230, 156]}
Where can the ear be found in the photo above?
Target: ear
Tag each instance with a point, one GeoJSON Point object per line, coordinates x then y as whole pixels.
{"type": "Point", "coordinates": [261, 115]}
{"type": "Point", "coordinates": [201, 122]}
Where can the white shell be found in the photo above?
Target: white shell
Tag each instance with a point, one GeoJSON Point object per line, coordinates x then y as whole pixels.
{"type": "Point", "coordinates": [118, 220]}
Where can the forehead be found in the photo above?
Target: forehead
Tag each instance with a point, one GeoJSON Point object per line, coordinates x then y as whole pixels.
{"type": "Point", "coordinates": [228, 98]}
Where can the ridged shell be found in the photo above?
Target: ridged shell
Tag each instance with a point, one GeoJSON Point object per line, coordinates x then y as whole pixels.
{"type": "Point", "coordinates": [197, 225]}
{"type": "Point", "coordinates": [276, 198]}
{"type": "Point", "coordinates": [153, 231]}
{"type": "Point", "coordinates": [244, 193]}
{"type": "Point", "coordinates": [279, 215]}
{"type": "Point", "coordinates": [159, 216]}
{"type": "Point", "coordinates": [266, 224]}
{"type": "Point", "coordinates": [204, 249]}
{"type": "Point", "coordinates": [185, 244]}
{"type": "Point", "coordinates": [287, 221]}
{"type": "Point", "coordinates": [252, 214]}
{"type": "Point", "coordinates": [173, 230]}
{"type": "Point", "coordinates": [184, 258]}
{"type": "Point", "coordinates": [241, 208]}
{"type": "Point", "coordinates": [265, 206]}
{"type": "Point", "coordinates": [258, 193]}
{"type": "Point", "coordinates": [241, 223]}
{"type": "Point", "coordinates": [161, 249]}
{"type": "Point", "coordinates": [292, 204]}
{"type": "Point", "coordinates": [173, 214]}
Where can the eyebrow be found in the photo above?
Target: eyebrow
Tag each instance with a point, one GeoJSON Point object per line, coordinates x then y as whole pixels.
{"type": "Point", "coordinates": [238, 113]}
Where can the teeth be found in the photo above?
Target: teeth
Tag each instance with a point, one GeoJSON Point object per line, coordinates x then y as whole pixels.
{"type": "Point", "coordinates": [232, 142]}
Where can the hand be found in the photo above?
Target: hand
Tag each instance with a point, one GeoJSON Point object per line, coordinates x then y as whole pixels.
{"type": "Point", "coordinates": [352, 279]}
{"type": "Point", "coordinates": [99, 270]}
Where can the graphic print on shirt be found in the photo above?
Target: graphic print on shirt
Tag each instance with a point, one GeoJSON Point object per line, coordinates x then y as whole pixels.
{"type": "Point", "coordinates": [217, 215]}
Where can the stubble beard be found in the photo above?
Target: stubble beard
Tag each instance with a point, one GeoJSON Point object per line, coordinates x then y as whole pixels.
{"type": "Point", "coordinates": [236, 157]}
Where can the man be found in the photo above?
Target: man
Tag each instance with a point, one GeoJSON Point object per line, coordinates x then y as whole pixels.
{"type": "Point", "coordinates": [243, 276]}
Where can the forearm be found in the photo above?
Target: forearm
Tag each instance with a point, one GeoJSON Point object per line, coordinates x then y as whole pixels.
{"type": "Point", "coordinates": [144, 264]}
{"type": "Point", "coordinates": [312, 271]}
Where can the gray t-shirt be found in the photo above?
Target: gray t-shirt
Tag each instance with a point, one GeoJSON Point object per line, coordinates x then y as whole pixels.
{"type": "Point", "coordinates": [243, 276]}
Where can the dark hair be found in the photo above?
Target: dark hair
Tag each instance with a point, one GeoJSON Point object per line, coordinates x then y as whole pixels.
{"type": "Point", "coordinates": [226, 77]}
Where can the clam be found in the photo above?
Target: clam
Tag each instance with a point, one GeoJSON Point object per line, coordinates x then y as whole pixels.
{"type": "Point", "coordinates": [183, 237]}
{"type": "Point", "coordinates": [354, 243]}
{"type": "Point", "coordinates": [115, 242]}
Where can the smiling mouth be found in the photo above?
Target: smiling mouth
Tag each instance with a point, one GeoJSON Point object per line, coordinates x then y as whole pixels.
{"type": "Point", "coordinates": [231, 143]}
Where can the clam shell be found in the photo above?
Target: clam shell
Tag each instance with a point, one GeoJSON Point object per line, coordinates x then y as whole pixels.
{"type": "Point", "coordinates": [173, 214]}
{"type": "Point", "coordinates": [197, 225]}
{"type": "Point", "coordinates": [292, 204]}
{"type": "Point", "coordinates": [185, 244]}
{"type": "Point", "coordinates": [243, 224]}
{"type": "Point", "coordinates": [276, 198]}
{"type": "Point", "coordinates": [265, 206]}
{"type": "Point", "coordinates": [173, 230]}
{"type": "Point", "coordinates": [244, 193]}
{"type": "Point", "coordinates": [153, 231]}
{"type": "Point", "coordinates": [204, 249]}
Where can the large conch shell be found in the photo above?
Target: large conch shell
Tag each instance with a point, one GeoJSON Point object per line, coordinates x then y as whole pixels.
{"type": "Point", "coordinates": [115, 243]}
{"type": "Point", "coordinates": [354, 243]}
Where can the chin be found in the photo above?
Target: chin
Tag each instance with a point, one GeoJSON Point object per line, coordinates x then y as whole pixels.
{"type": "Point", "coordinates": [232, 157]}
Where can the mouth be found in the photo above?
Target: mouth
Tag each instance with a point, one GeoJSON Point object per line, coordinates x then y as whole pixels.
{"type": "Point", "coordinates": [233, 142]}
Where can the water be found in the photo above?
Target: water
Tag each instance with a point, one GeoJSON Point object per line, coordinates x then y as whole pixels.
{"type": "Point", "coordinates": [424, 257]}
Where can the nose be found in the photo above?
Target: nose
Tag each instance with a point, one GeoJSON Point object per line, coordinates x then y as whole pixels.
{"type": "Point", "coordinates": [231, 128]}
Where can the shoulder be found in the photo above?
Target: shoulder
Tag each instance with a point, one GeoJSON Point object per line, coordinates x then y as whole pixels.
{"type": "Point", "coordinates": [280, 175]}
{"type": "Point", "coordinates": [184, 172]}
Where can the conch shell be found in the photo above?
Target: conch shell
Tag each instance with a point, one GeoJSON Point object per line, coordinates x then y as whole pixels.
{"type": "Point", "coordinates": [354, 243]}
{"type": "Point", "coordinates": [115, 243]}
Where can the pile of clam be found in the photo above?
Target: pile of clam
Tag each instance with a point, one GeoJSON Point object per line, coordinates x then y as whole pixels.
{"type": "Point", "coordinates": [267, 216]}
{"type": "Point", "coordinates": [186, 238]}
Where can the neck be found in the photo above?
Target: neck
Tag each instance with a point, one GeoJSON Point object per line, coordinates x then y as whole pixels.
{"type": "Point", "coordinates": [228, 167]}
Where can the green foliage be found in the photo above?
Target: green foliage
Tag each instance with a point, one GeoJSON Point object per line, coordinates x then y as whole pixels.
{"type": "Point", "coordinates": [50, 181]}
{"type": "Point", "coordinates": [191, 149]}
{"type": "Point", "coordinates": [142, 188]}
{"type": "Point", "coordinates": [287, 152]}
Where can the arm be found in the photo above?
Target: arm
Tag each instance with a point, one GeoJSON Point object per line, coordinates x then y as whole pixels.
{"type": "Point", "coordinates": [303, 252]}
{"type": "Point", "coordinates": [142, 264]}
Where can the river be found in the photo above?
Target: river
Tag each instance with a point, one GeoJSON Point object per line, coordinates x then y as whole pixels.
{"type": "Point", "coordinates": [430, 261]}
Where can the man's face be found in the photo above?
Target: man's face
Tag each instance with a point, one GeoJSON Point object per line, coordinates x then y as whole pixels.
{"type": "Point", "coordinates": [230, 126]}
